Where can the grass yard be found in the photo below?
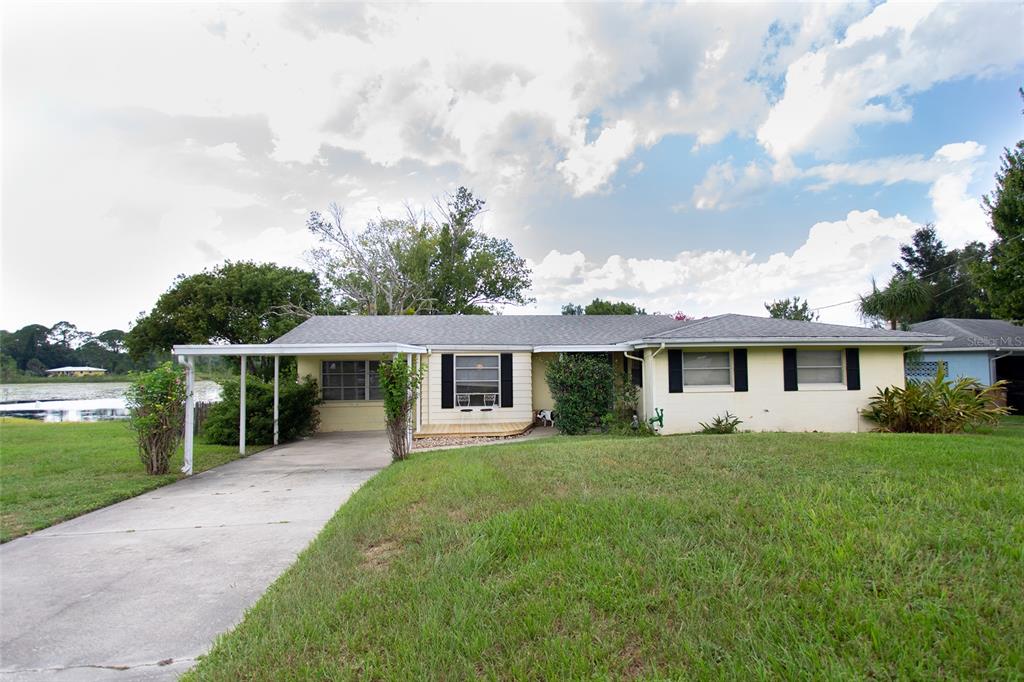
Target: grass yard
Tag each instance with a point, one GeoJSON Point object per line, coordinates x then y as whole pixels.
{"type": "Point", "coordinates": [54, 472]}
{"type": "Point", "coordinates": [745, 556]}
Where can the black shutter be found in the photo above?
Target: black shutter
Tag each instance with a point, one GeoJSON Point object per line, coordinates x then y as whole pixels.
{"type": "Point", "coordinates": [506, 380]}
{"type": "Point", "coordinates": [739, 358]}
{"type": "Point", "coordinates": [447, 381]}
{"type": "Point", "coordinates": [675, 371]}
{"type": "Point", "coordinates": [789, 369]}
{"type": "Point", "coordinates": [853, 369]}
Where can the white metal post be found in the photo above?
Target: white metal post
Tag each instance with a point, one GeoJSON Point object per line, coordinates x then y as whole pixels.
{"type": "Point", "coordinates": [241, 409]}
{"type": "Point", "coordinates": [277, 368]}
{"type": "Point", "coordinates": [419, 407]}
{"type": "Point", "coordinates": [190, 414]}
{"type": "Point", "coordinates": [408, 423]}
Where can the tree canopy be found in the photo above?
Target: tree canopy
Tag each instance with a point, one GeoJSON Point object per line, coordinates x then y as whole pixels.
{"type": "Point", "coordinates": [791, 309]}
{"type": "Point", "coordinates": [240, 302]}
{"type": "Point", "coordinates": [419, 264]}
{"type": "Point", "coordinates": [1003, 278]}
{"type": "Point", "coordinates": [600, 306]}
{"type": "Point", "coordinates": [35, 348]}
{"type": "Point", "coordinates": [950, 276]}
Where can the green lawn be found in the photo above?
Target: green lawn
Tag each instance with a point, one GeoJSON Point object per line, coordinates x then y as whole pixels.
{"type": "Point", "coordinates": [54, 472]}
{"type": "Point", "coordinates": [745, 556]}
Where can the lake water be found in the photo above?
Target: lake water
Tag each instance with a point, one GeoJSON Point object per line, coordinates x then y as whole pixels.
{"type": "Point", "coordinates": [86, 402]}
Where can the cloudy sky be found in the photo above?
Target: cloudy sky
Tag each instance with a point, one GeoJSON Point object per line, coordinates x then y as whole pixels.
{"type": "Point", "coordinates": [700, 157]}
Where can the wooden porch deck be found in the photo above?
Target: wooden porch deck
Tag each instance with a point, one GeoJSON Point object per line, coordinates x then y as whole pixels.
{"type": "Point", "coordinates": [490, 429]}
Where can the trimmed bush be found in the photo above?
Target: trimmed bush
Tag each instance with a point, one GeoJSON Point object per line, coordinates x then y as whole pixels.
{"type": "Point", "coordinates": [156, 412]}
{"type": "Point", "coordinates": [582, 385]}
{"type": "Point", "coordinates": [936, 406]}
{"type": "Point", "coordinates": [298, 416]}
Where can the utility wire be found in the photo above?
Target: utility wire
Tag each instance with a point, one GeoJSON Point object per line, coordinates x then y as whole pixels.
{"type": "Point", "coordinates": [924, 276]}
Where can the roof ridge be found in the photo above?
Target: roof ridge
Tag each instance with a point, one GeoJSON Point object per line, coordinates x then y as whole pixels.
{"type": "Point", "coordinates": [693, 323]}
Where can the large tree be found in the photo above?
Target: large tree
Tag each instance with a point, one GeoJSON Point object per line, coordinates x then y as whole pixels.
{"type": "Point", "coordinates": [1003, 278]}
{"type": "Point", "coordinates": [240, 302]}
{"type": "Point", "coordinates": [599, 306]}
{"type": "Point", "coordinates": [419, 264]}
{"type": "Point", "coordinates": [791, 309]}
{"type": "Point", "coordinates": [949, 275]}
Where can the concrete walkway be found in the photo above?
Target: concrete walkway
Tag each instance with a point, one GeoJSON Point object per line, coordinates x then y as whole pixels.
{"type": "Point", "coordinates": [139, 589]}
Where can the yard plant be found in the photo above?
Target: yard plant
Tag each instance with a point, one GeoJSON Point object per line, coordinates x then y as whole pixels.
{"type": "Point", "coordinates": [400, 385]}
{"type": "Point", "coordinates": [757, 556]}
{"type": "Point", "coordinates": [582, 385]}
{"type": "Point", "coordinates": [298, 416]}
{"type": "Point", "coordinates": [936, 405]}
{"type": "Point", "coordinates": [156, 412]}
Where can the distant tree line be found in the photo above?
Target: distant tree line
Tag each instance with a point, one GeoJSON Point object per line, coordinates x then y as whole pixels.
{"type": "Point", "coordinates": [35, 348]}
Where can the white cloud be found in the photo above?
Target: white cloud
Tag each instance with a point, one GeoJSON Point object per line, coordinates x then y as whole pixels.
{"type": "Point", "coordinates": [835, 263]}
{"type": "Point", "coordinates": [588, 167]}
{"type": "Point", "coordinates": [897, 50]}
{"type": "Point", "coordinates": [723, 185]}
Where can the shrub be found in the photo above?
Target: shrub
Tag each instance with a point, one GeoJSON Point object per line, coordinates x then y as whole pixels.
{"type": "Point", "coordinates": [935, 406]}
{"type": "Point", "coordinates": [298, 417]}
{"type": "Point", "coordinates": [582, 386]}
{"type": "Point", "coordinates": [727, 423]}
{"type": "Point", "coordinates": [624, 419]}
{"type": "Point", "coordinates": [156, 412]}
{"type": "Point", "coordinates": [400, 385]}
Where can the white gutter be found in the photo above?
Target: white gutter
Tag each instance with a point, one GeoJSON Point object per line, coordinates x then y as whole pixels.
{"type": "Point", "coordinates": [789, 341]}
{"type": "Point", "coordinates": [272, 349]}
{"type": "Point", "coordinates": [613, 348]}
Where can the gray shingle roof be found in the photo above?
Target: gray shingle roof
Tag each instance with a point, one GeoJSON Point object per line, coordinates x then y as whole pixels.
{"type": "Point", "coordinates": [973, 334]}
{"type": "Point", "coordinates": [563, 330]}
{"type": "Point", "coordinates": [733, 326]}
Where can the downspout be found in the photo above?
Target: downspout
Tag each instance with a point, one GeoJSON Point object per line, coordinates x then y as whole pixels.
{"type": "Point", "coordinates": [654, 380]}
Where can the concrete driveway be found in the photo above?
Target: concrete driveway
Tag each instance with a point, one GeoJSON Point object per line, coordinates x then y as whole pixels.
{"type": "Point", "coordinates": [139, 589]}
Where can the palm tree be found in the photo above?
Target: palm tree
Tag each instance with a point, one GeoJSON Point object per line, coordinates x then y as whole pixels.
{"type": "Point", "coordinates": [905, 299]}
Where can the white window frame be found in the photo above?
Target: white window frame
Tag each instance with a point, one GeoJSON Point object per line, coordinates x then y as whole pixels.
{"type": "Point", "coordinates": [710, 388]}
{"type": "Point", "coordinates": [367, 386]}
{"type": "Point", "coordinates": [465, 400]}
{"type": "Point", "coordinates": [823, 385]}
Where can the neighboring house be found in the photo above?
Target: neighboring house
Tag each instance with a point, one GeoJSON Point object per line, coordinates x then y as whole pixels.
{"type": "Point", "coordinates": [486, 374]}
{"type": "Point", "coordinates": [986, 350]}
{"type": "Point", "coordinates": [76, 372]}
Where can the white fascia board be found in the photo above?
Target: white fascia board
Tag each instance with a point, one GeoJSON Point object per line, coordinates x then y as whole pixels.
{"type": "Point", "coordinates": [467, 349]}
{"type": "Point", "coordinates": [979, 349]}
{"type": "Point", "coordinates": [271, 349]}
{"type": "Point", "coordinates": [789, 341]}
{"type": "Point", "coordinates": [618, 347]}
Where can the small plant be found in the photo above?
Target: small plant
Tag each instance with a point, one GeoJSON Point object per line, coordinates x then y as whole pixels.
{"type": "Point", "coordinates": [400, 385]}
{"type": "Point", "coordinates": [935, 405]}
{"type": "Point", "coordinates": [727, 423]}
{"type": "Point", "coordinates": [583, 386]}
{"type": "Point", "coordinates": [624, 418]}
{"type": "Point", "coordinates": [156, 412]}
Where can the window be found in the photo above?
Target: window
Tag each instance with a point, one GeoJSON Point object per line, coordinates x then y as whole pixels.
{"type": "Point", "coordinates": [349, 380]}
{"type": "Point", "coordinates": [706, 369]}
{"type": "Point", "coordinates": [819, 367]}
{"type": "Point", "coordinates": [477, 378]}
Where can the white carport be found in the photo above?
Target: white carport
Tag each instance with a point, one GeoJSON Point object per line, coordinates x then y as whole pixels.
{"type": "Point", "coordinates": [186, 355]}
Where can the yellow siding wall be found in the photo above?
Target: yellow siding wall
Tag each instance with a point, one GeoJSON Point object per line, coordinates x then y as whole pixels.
{"type": "Point", "coordinates": [542, 399]}
{"type": "Point", "coordinates": [522, 395]}
{"type": "Point", "coordinates": [344, 415]}
{"type": "Point", "coordinates": [766, 406]}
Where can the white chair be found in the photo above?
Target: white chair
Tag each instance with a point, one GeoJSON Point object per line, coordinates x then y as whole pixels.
{"type": "Point", "coordinates": [490, 399]}
{"type": "Point", "coordinates": [462, 399]}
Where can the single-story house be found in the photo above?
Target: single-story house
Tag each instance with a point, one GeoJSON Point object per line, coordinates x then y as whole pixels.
{"type": "Point", "coordinates": [485, 374]}
{"type": "Point", "coordinates": [986, 350]}
{"type": "Point", "coordinates": [76, 372]}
